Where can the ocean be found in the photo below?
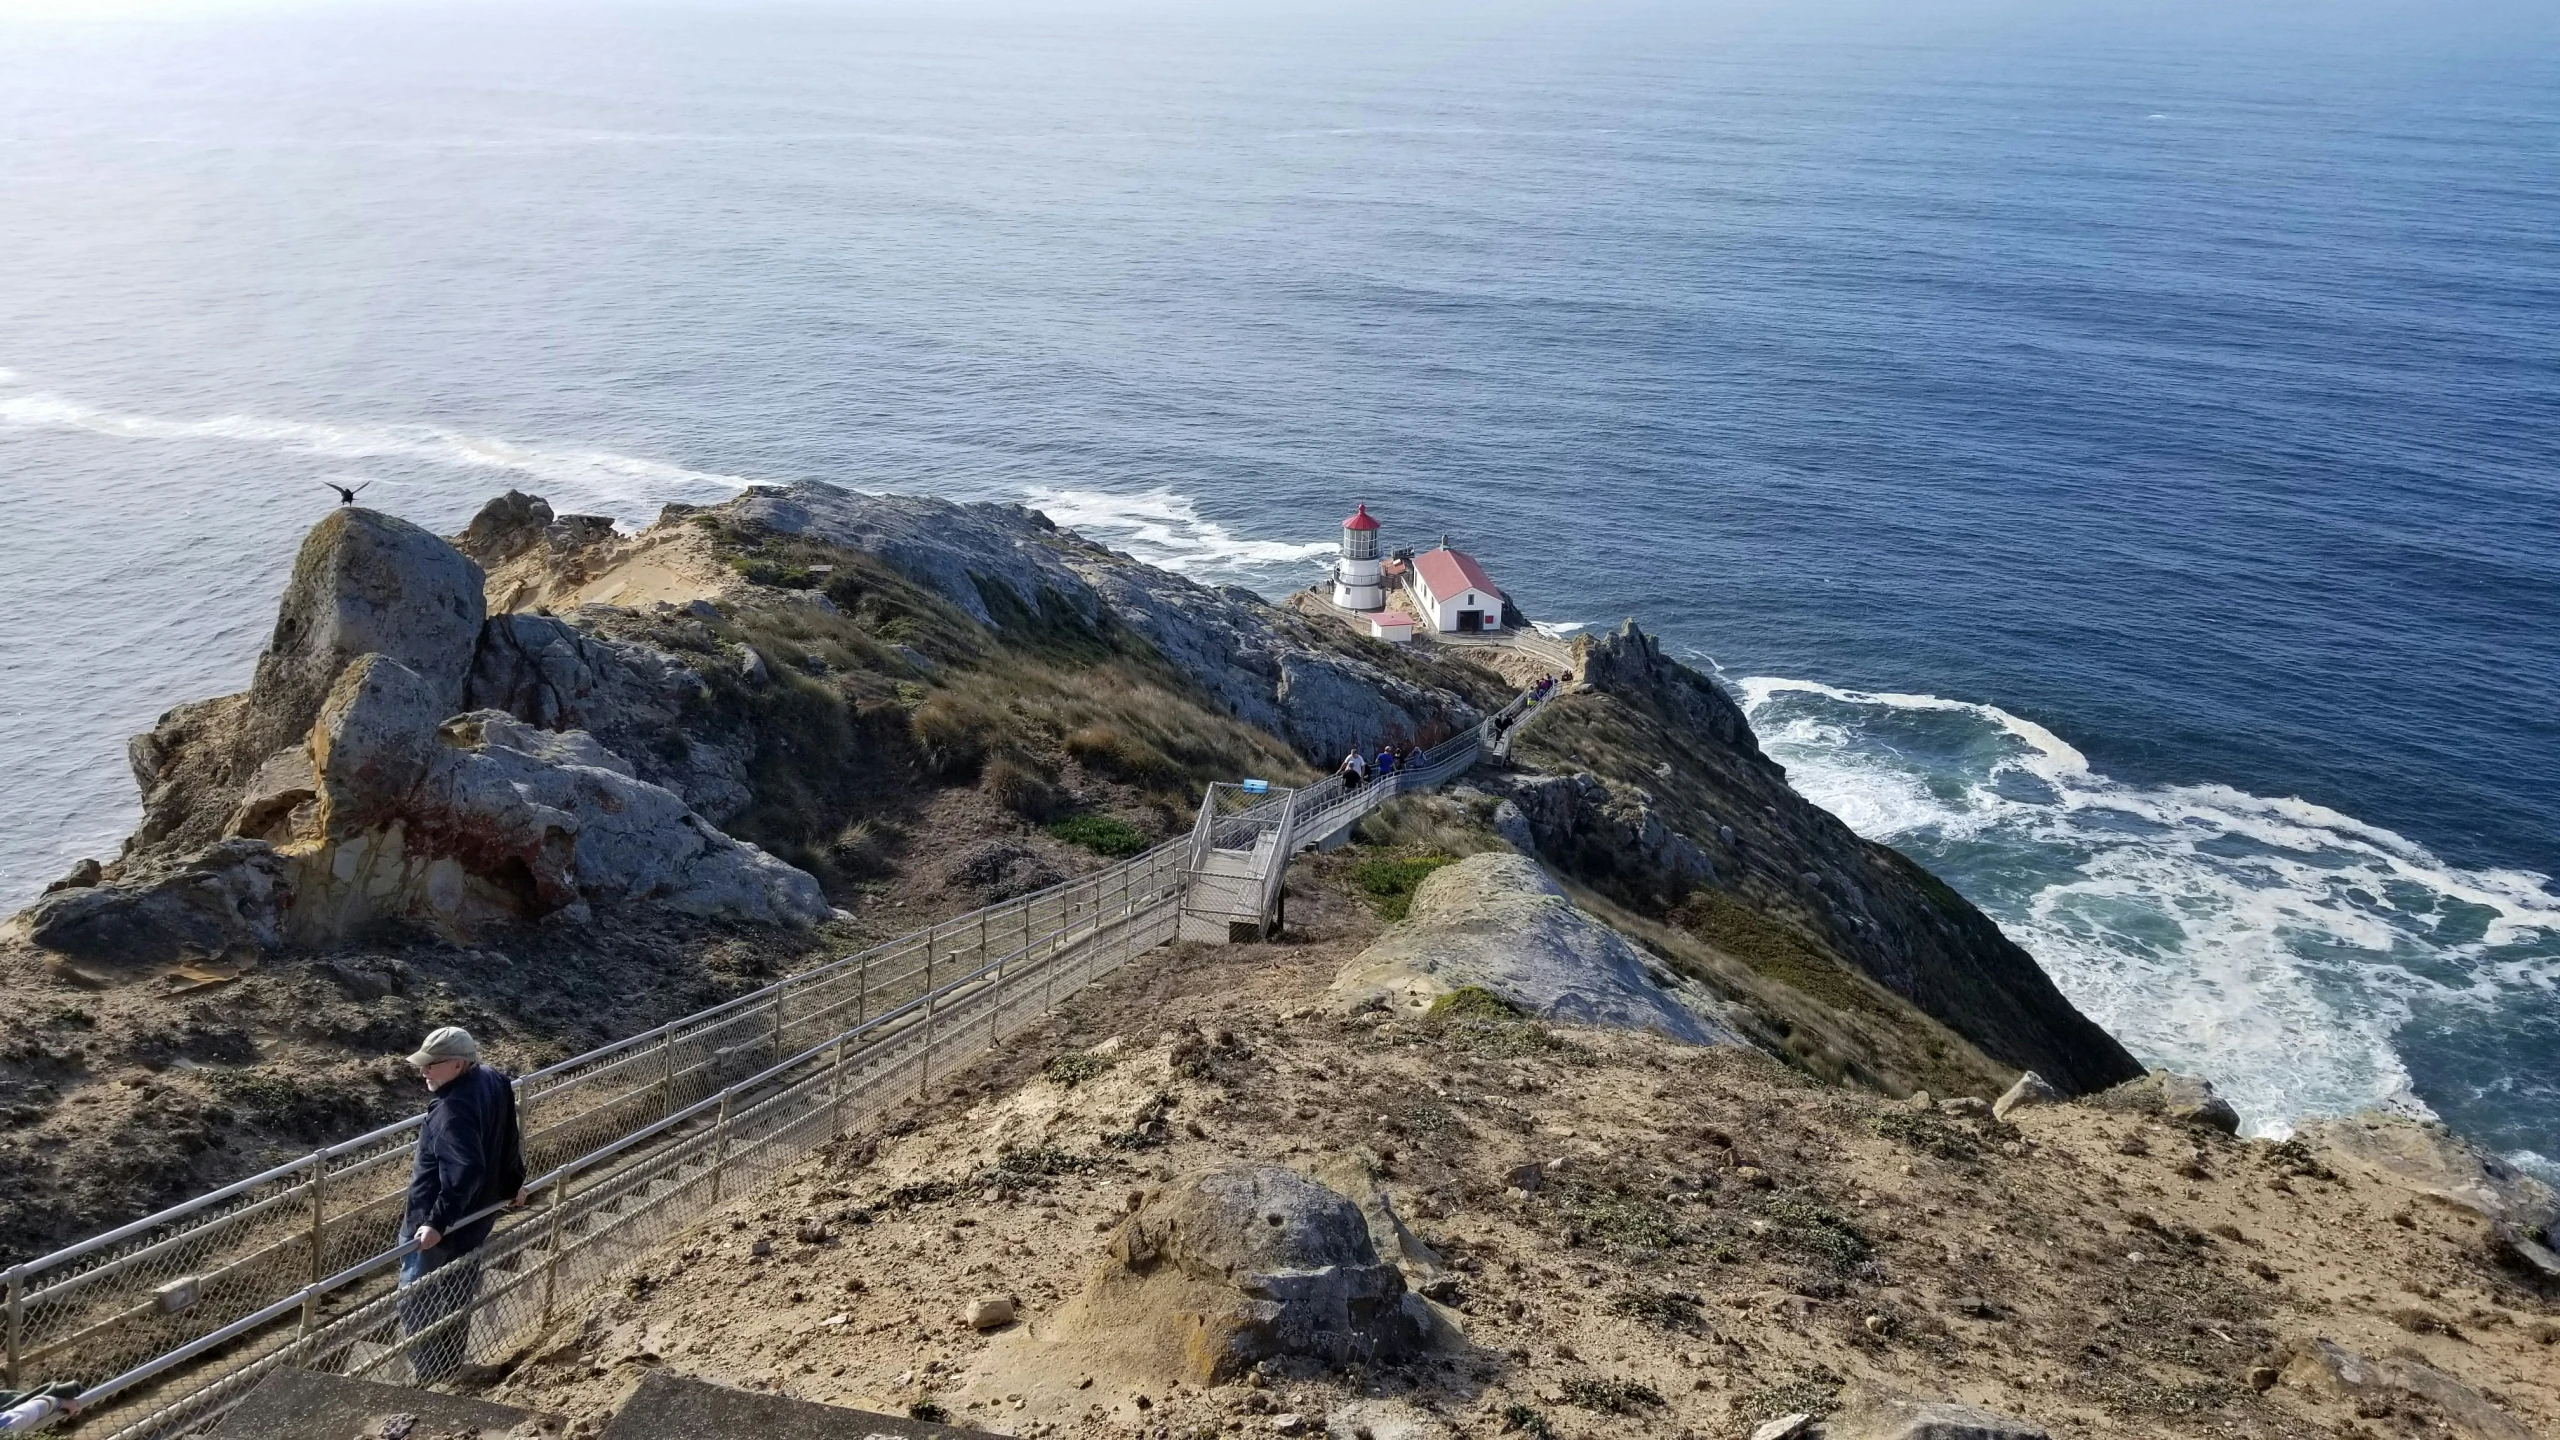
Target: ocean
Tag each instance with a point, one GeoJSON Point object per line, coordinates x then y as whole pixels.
{"type": "Point", "coordinates": [2112, 450]}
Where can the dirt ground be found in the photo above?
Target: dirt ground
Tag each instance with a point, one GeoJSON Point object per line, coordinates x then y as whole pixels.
{"type": "Point", "coordinates": [1712, 1239]}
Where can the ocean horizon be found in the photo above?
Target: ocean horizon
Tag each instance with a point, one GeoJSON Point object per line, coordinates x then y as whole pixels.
{"type": "Point", "coordinates": [2113, 455]}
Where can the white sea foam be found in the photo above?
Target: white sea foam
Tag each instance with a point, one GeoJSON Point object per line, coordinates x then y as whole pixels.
{"type": "Point", "coordinates": [628, 484]}
{"type": "Point", "coordinates": [2273, 943]}
{"type": "Point", "coordinates": [1559, 629]}
{"type": "Point", "coordinates": [1167, 529]}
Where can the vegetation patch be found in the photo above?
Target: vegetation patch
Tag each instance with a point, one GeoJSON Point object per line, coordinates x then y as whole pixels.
{"type": "Point", "coordinates": [1030, 1161]}
{"type": "Point", "coordinates": [1815, 1393]}
{"type": "Point", "coordinates": [1076, 1067]}
{"type": "Point", "coordinates": [1609, 1396]}
{"type": "Point", "coordinates": [1628, 1219]}
{"type": "Point", "coordinates": [1818, 1231]}
{"type": "Point", "coordinates": [1473, 1002]}
{"type": "Point", "coordinates": [1101, 834]}
{"type": "Point", "coordinates": [1925, 1132]}
{"type": "Point", "coordinates": [1519, 1419]}
{"type": "Point", "coordinates": [1668, 1309]}
{"type": "Point", "coordinates": [1390, 881]}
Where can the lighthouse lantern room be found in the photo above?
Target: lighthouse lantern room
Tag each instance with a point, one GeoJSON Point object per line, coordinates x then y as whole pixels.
{"type": "Point", "coordinates": [1355, 577]}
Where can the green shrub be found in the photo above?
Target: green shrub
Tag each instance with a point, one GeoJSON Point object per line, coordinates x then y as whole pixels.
{"type": "Point", "coordinates": [1101, 834]}
{"type": "Point", "coordinates": [951, 736]}
{"type": "Point", "coordinates": [863, 850]}
{"type": "Point", "coordinates": [1107, 750]}
{"type": "Point", "coordinates": [1391, 881]}
{"type": "Point", "coordinates": [1472, 1002]}
{"type": "Point", "coordinates": [1807, 1227]}
{"type": "Point", "coordinates": [1075, 1067]}
{"type": "Point", "coordinates": [1925, 1132]}
{"type": "Point", "coordinates": [1019, 788]}
{"type": "Point", "coordinates": [1670, 1309]}
{"type": "Point", "coordinates": [1623, 1218]}
{"type": "Point", "coordinates": [1614, 1397]}
{"type": "Point", "coordinates": [1519, 1419]}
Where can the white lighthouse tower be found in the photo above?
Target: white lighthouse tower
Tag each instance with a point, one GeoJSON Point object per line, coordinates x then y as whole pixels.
{"type": "Point", "coordinates": [1355, 578]}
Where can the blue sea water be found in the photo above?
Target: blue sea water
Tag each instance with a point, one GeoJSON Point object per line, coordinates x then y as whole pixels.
{"type": "Point", "coordinates": [2112, 449]}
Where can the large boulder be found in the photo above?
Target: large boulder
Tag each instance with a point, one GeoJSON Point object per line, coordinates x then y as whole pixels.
{"type": "Point", "coordinates": [1497, 922]}
{"type": "Point", "coordinates": [363, 583]}
{"type": "Point", "coordinates": [218, 903]}
{"type": "Point", "coordinates": [1248, 1263]}
{"type": "Point", "coordinates": [484, 819]}
{"type": "Point", "coordinates": [2187, 1099]}
{"type": "Point", "coordinates": [2324, 1367]}
{"type": "Point", "coordinates": [635, 698]}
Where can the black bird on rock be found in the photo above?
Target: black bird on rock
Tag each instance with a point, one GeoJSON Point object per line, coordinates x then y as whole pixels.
{"type": "Point", "coordinates": [345, 495]}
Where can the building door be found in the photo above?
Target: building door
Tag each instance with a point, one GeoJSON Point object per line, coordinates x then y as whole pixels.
{"type": "Point", "coordinates": [1470, 622]}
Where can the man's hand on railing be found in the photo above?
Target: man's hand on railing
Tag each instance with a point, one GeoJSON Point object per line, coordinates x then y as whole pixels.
{"type": "Point", "coordinates": [522, 1195]}
{"type": "Point", "coordinates": [429, 1237]}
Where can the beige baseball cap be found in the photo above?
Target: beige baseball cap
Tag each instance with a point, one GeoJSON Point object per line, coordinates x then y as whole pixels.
{"type": "Point", "coordinates": [450, 1043]}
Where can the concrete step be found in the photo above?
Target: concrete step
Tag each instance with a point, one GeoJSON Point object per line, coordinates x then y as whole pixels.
{"type": "Point", "coordinates": [307, 1405]}
{"type": "Point", "coordinates": [673, 1407]}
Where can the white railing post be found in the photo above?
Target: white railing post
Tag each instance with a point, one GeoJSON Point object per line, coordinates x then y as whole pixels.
{"type": "Point", "coordinates": [551, 1239]}
{"type": "Point", "coordinates": [720, 1155]}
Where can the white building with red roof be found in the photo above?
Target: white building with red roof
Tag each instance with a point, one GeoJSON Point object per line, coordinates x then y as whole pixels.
{"type": "Point", "coordinates": [1455, 594]}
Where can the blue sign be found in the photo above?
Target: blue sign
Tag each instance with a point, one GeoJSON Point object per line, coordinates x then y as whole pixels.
{"type": "Point", "coordinates": [1257, 787]}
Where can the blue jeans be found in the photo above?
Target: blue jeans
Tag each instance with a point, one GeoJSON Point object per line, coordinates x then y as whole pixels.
{"type": "Point", "coordinates": [434, 1285]}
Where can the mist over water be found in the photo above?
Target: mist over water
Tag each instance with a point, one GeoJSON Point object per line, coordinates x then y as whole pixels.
{"type": "Point", "coordinates": [2118, 446]}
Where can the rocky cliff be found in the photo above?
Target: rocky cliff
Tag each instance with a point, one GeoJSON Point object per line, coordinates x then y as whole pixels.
{"type": "Point", "coordinates": [1645, 782]}
{"type": "Point", "coordinates": [559, 782]}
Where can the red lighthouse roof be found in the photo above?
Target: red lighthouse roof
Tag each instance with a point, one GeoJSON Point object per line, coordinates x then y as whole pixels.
{"type": "Point", "coordinates": [1360, 520]}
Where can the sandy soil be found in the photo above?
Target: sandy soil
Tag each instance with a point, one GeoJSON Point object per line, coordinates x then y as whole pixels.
{"type": "Point", "coordinates": [1713, 1239]}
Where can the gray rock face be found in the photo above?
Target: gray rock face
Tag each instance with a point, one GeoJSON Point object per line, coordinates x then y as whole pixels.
{"type": "Point", "coordinates": [1497, 921]}
{"type": "Point", "coordinates": [2188, 1099]}
{"type": "Point", "coordinates": [210, 904]}
{"type": "Point", "coordinates": [485, 818]}
{"type": "Point", "coordinates": [554, 675]}
{"type": "Point", "coordinates": [364, 583]}
{"type": "Point", "coordinates": [1288, 1267]}
{"type": "Point", "coordinates": [1566, 813]}
{"type": "Point", "coordinates": [1263, 665]}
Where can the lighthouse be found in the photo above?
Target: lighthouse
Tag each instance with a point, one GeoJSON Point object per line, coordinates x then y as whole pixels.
{"type": "Point", "coordinates": [1355, 578]}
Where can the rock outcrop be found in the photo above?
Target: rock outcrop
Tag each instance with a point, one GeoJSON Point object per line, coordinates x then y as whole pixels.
{"type": "Point", "coordinates": [334, 793]}
{"type": "Point", "coordinates": [1497, 922]}
{"type": "Point", "coordinates": [2186, 1099]}
{"type": "Point", "coordinates": [363, 583]}
{"type": "Point", "coordinates": [2325, 1367]}
{"type": "Point", "coordinates": [1645, 783]}
{"type": "Point", "coordinates": [633, 698]}
{"type": "Point", "coordinates": [1248, 1263]}
{"type": "Point", "coordinates": [482, 819]}
{"type": "Point", "coordinates": [1265, 666]}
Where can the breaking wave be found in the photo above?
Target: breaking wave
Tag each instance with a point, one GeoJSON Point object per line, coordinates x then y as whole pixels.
{"type": "Point", "coordinates": [1167, 529]}
{"type": "Point", "coordinates": [627, 486]}
{"type": "Point", "coordinates": [2277, 945]}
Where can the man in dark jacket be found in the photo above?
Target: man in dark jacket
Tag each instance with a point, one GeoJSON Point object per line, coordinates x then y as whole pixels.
{"type": "Point", "coordinates": [470, 1158]}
